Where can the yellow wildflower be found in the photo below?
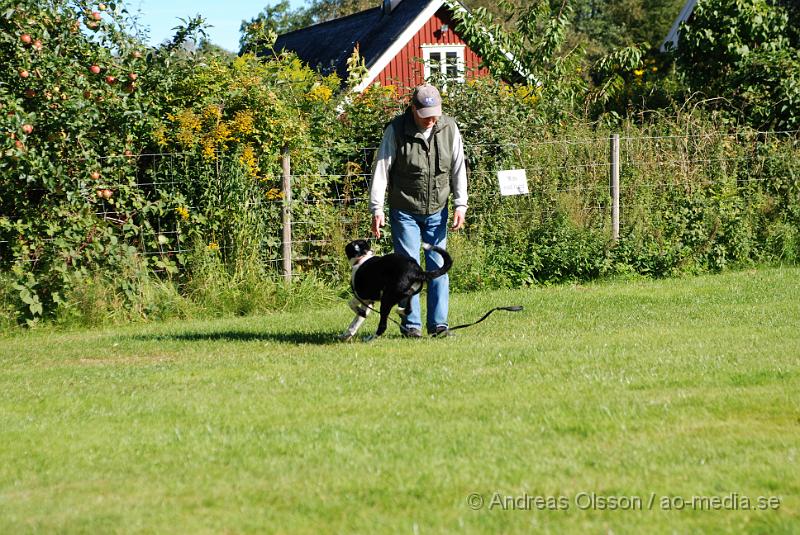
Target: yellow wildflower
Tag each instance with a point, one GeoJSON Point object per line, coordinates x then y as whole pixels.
{"type": "Point", "coordinates": [274, 194]}
{"type": "Point", "coordinates": [160, 135]}
{"type": "Point", "coordinates": [526, 94]}
{"type": "Point", "coordinates": [222, 133]}
{"type": "Point", "coordinates": [248, 159]}
{"type": "Point", "coordinates": [319, 93]}
{"type": "Point", "coordinates": [182, 212]}
{"type": "Point", "coordinates": [239, 63]}
{"type": "Point", "coordinates": [212, 113]}
{"type": "Point", "coordinates": [188, 126]}
{"type": "Point", "coordinates": [244, 122]}
{"type": "Point", "coordinates": [209, 149]}
{"type": "Point", "coordinates": [213, 246]}
{"type": "Point", "coordinates": [638, 72]}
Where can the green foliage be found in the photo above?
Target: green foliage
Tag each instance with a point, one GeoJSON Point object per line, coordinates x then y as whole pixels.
{"type": "Point", "coordinates": [532, 52]}
{"type": "Point", "coordinates": [8, 298]}
{"type": "Point", "coordinates": [695, 198]}
{"type": "Point", "coordinates": [633, 82]}
{"type": "Point", "coordinates": [599, 27]}
{"type": "Point", "coordinates": [322, 10]}
{"type": "Point", "coordinates": [260, 32]}
{"type": "Point", "coordinates": [614, 72]}
{"type": "Point", "coordinates": [603, 26]}
{"type": "Point", "coordinates": [741, 56]}
{"type": "Point", "coordinates": [711, 217]}
{"type": "Point", "coordinates": [83, 190]}
{"type": "Point", "coordinates": [744, 55]}
{"type": "Point", "coordinates": [75, 101]}
{"type": "Point", "coordinates": [538, 43]}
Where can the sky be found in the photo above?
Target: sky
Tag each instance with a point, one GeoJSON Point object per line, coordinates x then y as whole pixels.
{"type": "Point", "coordinates": [225, 16]}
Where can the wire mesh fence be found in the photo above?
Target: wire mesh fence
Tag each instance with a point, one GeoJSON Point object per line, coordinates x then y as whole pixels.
{"type": "Point", "coordinates": [213, 206]}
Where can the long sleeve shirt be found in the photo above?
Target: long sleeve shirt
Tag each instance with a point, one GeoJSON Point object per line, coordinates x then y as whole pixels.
{"type": "Point", "coordinates": [386, 156]}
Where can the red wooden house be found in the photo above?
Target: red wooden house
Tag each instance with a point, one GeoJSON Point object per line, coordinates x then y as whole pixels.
{"type": "Point", "coordinates": [401, 43]}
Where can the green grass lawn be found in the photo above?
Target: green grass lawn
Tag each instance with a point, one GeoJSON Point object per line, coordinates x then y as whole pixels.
{"type": "Point", "coordinates": [651, 390]}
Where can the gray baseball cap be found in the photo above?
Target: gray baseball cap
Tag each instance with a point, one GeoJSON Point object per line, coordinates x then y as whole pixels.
{"type": "Point", "coordinates": [427, 101]}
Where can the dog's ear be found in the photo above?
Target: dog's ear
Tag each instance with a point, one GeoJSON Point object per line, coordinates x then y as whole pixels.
{"type": "Point", "coordinates": [356, 248]}
{"type": "Point", "coordinates": [362, 246]}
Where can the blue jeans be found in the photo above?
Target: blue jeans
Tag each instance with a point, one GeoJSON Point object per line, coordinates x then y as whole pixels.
{"type": "Point", "coordinates": [408, 232]}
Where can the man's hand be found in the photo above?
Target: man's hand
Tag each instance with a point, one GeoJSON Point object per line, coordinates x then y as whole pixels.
{"type": "Point", "coordinates": [458, 220]}
{"type": "Point", "coordinates": [377, 222]}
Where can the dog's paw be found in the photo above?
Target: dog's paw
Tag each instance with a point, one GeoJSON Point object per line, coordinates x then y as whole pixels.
{"type": "Point", "coordinates": [346, 337]}
{"type": "Point", "coordinates": [370, 338]}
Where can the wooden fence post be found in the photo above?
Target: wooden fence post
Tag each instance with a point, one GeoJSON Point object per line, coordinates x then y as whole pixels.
{"type": "Point", "coordinates": [287, 215]}
{"type": "Point", "coordinates": [614, 184]}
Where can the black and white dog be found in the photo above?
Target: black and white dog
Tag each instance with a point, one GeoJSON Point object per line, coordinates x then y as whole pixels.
{"type": "Point", "coordinates": [389, 279]}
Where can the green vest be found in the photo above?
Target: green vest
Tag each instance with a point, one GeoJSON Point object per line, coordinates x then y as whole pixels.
{"type": "Point", "coordinates": [419, 181]}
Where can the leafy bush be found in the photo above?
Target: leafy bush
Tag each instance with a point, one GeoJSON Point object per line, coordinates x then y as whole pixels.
{"type": "Point", "coordinates": [85, 193]}
{"type": "Point", "coordinates": [743, 53]}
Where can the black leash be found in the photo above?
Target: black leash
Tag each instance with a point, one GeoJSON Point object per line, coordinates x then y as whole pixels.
{"type": "Point", "coordinates": [515, 308]}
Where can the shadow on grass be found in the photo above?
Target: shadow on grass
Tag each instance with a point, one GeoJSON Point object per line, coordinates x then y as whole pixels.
{"type": "Point", "coordinates": [288, 337]}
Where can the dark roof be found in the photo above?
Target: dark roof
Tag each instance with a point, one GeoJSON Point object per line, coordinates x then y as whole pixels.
{"type": "Point", "coordinates": [327, 46]}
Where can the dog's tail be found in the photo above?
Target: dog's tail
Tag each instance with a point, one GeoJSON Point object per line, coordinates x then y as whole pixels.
{"type": "Point", "coordinates": [448, 262]}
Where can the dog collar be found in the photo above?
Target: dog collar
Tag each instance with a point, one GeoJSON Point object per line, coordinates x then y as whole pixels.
{"type": "Point", "coordinates": [357, 261]}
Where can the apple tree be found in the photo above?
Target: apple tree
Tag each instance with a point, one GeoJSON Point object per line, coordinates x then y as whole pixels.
{"type": "Point", "coordinates": [77, 96]}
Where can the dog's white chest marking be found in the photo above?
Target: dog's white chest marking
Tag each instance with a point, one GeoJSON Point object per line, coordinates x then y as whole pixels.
{"type": "Point", "coordinates": [356, 263]}
{"type": "Point", "coordinates": [359, 307]}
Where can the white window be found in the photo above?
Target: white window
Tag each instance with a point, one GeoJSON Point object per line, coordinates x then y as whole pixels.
{"type": "Point", "coordinates": [445, 59]}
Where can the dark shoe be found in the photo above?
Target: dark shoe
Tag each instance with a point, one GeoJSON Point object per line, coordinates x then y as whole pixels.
{"type": "Point", "coordinates": [413, 332]}
{"type": "Point", "coordinates": [440, 332]}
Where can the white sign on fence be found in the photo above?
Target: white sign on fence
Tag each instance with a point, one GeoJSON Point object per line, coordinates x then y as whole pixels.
{"type": "Point", "coordinates": [513, 182]}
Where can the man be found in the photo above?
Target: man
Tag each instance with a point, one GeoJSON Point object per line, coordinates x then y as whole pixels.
{"type": "Point", "coordinates": [421, 160]}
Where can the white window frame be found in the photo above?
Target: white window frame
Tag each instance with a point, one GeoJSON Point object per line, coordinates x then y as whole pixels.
{"type": "Point", "coordinates": [427, 50]}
